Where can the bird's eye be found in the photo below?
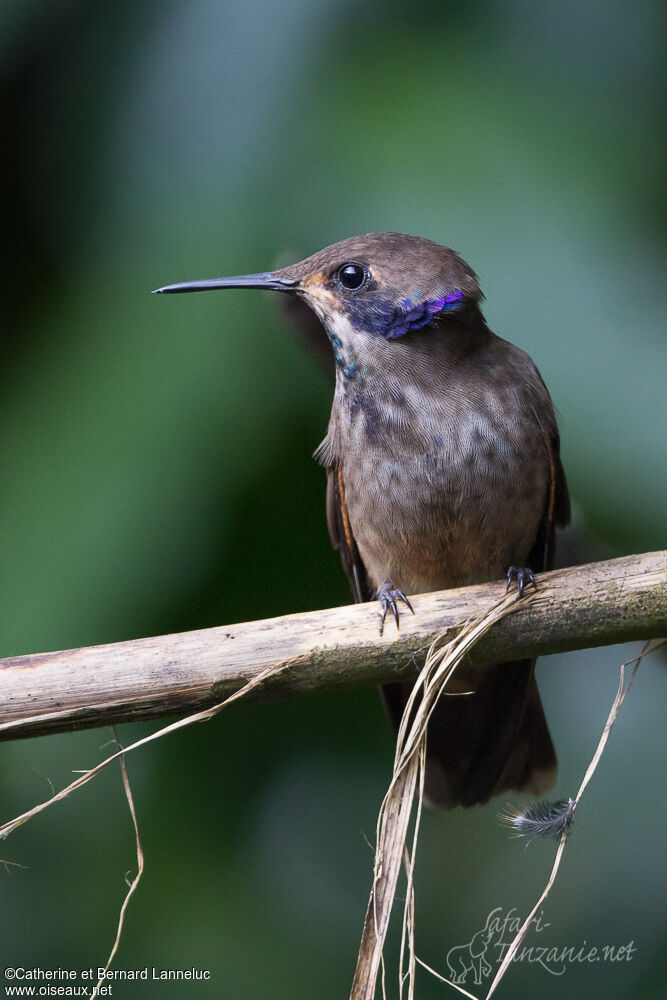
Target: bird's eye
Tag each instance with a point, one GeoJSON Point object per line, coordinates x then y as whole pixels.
{"type": "Point", "coordinates": [351, 275]}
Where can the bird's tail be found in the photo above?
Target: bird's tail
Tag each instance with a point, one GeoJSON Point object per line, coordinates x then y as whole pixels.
{"type": "Point", "coordinates": [492, 740]}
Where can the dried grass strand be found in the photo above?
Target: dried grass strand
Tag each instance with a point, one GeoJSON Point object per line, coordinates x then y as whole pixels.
{"type": "Point", "coordinates": [409, 858]}
{"type": "Point", "coordinates": [441, 661]}
{"type": "Point", "coordinates": [140, 867]}
{"type": "Point", "coordinates": [443, 979]}
{"type": "Point", "coordinates": [88, 775]}
{"type": "Point", "coordinates": [621, 694]}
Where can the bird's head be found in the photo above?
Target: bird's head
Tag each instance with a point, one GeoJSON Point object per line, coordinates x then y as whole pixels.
{"type": "Point", "coordinates": [370, 289]}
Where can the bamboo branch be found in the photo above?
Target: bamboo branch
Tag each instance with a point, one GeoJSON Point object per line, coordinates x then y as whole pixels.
{"type": "Point", "coordinates": [594, 605]}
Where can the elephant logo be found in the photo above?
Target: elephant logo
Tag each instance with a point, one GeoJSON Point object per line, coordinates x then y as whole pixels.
{"type": "Point", "coordinates": [471, 957]}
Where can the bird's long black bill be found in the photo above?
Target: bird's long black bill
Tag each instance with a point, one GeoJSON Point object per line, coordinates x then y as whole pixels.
{"type": "Point", "coordinates": [266, 279]}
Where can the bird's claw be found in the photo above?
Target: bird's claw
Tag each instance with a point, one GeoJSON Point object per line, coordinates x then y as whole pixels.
{"type": "Point", "coordinates": [387, 596]}
{"type": "Point", "coordinates": [522, 575]}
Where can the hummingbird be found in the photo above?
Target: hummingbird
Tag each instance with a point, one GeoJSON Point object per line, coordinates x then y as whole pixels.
{"type": "Point", "coordinates": [443, 469]}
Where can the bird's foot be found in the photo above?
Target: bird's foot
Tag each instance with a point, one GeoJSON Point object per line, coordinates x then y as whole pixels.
{"type": "Point", "coordinates": [522, 575]}
{"type": "Point", "coordinates": [387, 596]}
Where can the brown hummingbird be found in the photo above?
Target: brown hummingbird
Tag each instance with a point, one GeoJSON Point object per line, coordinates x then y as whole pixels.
{"type": "Point", "coordinates": [443, 469]}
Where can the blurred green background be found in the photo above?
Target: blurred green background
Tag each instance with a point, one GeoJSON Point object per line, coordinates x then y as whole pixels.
{"type": "Point", "coordinates": [156, 451]}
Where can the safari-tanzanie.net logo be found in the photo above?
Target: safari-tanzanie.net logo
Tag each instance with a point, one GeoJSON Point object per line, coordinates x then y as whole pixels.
{"type": "Point", "coordinates": [473, 962]}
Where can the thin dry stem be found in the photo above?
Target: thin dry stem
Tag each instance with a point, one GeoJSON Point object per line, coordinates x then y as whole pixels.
{"type": "Point", "coordinates": [443, 979]}
{"type": "Point", "coordinates": [87, 776]}
{"type": "Point", "coordinates": [613, 714]}
{"type": "Point", "coordinates": [409, 858]}
{"type": "Point", "coordinates": [394, 816]}
{"type": "Point", "coordinates": [140, 867]}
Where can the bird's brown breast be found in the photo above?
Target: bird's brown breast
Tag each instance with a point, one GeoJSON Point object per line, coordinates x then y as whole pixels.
{"type": "Point", "coordinates": [445, 482]}
{"type": "Point", "coordinates": [444, 519]}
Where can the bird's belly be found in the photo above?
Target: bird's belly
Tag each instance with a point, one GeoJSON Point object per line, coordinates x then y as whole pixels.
{"type": "Point", "coordinates": [442, 520]}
